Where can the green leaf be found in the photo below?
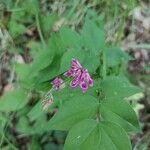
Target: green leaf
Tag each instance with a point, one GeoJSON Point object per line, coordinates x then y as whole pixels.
{"type": "Point", "coordinates": [83, 136]}
{"type": "Point", "coordinates": [23, 73]}
{"type": "Point", "coordinates": [73, 111]}
{"type": "Point", "coordinates": [34, 145]}
{"type": "Point", "coordinates": [91, 62]}
{"type": "Point", "coordinates": [36, 111]}
{"type": "Point", "coordinates": [67, 93]}
{"type": "Point", "coordinates": [93, 36]}
{"type": "Point", "coordinates": [42, 60]}
{"type": "Point", "coordinates": [16, 29]}
{"type": "Point", "coordinates": [50, 71]}
{"type": "Point", "coordinates": [90, 135]}
{"type": "Point", "coordinates": [13, 100]}
{"type": "Point", "coordinates": [119, 112]}
{"type": "Point", "coordinates": [30, 128]}
{"type": "Point", "coordinates": [47, 22]}
{"type": "Point", "coordinates": [31, 6]}
{"type": "Point", "coordinates": [113, 137]}
{"type": "Point", "coordinates": [55, 43]}
{"type": "Point", "coordinates": [15, 16]}
{"type": "Point", "coordinates": [118, 87]}
{"type": "Point", "coordinates": [114, 56]}
{"type": "Point", "coordinates": [70, 38]}
{"type": "Point", "coordinates": [67, 57]}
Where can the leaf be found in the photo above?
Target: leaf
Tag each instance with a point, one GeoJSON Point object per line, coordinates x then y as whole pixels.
{"type": "Point", "coordinates": [93, 36]}
{"type": "Point", "coordinates": [23, 74]}
{"type": "Point", "coordinates": [36, 111]}
{"type": "Point", "coordinates": [50, 71]}
{"type": "Point", "coordinates": [31, 6]}
{"type": "Point", "coordinates": [22, 71]}
{"type": "Point", "coordinates": [13, 100]}
{"type": "Point", "coordinates": [119, 112]}
{"type": "Point", "coordinates": [70, 38]}
{"type": "Point", "coordinates": [16, 29]}
{"type": "Point", "coordinates": [67, 93]}
{"type": "Point", "coordinates": [24, 126]}
{"type": "Point", "coordinates": [114, 56]}
{"type": "Point", "coordinates": [90, 135]}
{"type": "Point", "coordinates": [42, 60]}
{"type": "Point", "coordinates": [73, 111]}
{"type": "Point", "coordinates": [118, 87]}
{"type": "Point", "coordinates": [113, 137]}
{"type": "Point", "coordinates": [91, 62]}
{"type": "Point", "coordinates": [67, 57]}
{"type": "Point", "coordinates": [55, 43]}
{"type": "Point", "coordinates": [47, 22]}
{"type": "Point", "coordinates": [84, 135]}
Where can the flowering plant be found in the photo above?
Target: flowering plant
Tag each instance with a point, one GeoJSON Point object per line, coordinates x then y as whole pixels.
{"type": "Point", "coordinates": [88, 98]}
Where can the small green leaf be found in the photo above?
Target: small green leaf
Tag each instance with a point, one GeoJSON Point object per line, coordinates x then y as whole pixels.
{"type": "Point", "coordinates": [31, 6]}
{"type": "Point", "coordinates": [93, 36]}
{"type": "Point", "coordinates": [119, 112]}
{"type": "Point", "coordinates": [70, 38]}
{"type": "Point", "coordinates": [55, 43]}
{"type": "Point", "coordinates": [118, 87]}
{"type": "Point", "coordinates": [114, 56]}
{"type": "Point", "coordinates": [90, 135]}
{"type": "Point", "coordinates": [91, 62]}
{"type": "Point", "coordinates": [24, 125]}
{"type": "Point", "coordinates": [41, 61]}
{"type": "Point", "coordinates": [73, 111]}
{"type": "Point", "coordinates": [67, 57]}
{"type": "Point", "coordinates": [16, 29]}
{"type": "Point", "coordinates": [47, 22]}
{"type": "Point", "coordinates": [36, 111]}
{"type": "Point", "coordinates": [13, 100]}
{"type": "Point", "coordinates": [50, 71]}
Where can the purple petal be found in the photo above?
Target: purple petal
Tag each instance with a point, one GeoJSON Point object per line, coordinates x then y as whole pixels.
{"type": "Point", "coordinates": [90, 82]}
{"type": "Point", "coordinates": [75, 64]}
{"type": "Point", "coordinates": [74, 83]}
{"type": "Point", "coordinates": [89, 79]}
{"type": "Point", "coordinates": [83, 86]}
{"type": "Point", "coordinates": [68, 73]}
{"type": "Point", "coordinates": [57, 83]}
{"type": "Point", "coordinates": [83, 77]}
{"type": "Point", "coordinates": [78, 74]}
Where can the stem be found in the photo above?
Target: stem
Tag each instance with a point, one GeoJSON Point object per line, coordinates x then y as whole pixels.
{"type": "Point", "coordinates": [10, 144]}
{"type": "Point", "coordinates": [98, 115]}
{"type": "Point", "coordinates": [104, 65]}
{"type": "Point", "coordinates": [39, 29]}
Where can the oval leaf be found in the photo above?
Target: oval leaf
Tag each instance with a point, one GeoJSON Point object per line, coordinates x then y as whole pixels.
{"type": "Point", "coordinates": [73, 111]}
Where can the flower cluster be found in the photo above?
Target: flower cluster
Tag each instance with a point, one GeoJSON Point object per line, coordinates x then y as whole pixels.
{"type": "Point", "coordinates": [56, 83]}
{"type": "Point", "coordinates": [80, 75]}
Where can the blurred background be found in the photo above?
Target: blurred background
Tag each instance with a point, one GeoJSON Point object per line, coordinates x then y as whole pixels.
{"type": "Point", "coordinates": [127, 24]}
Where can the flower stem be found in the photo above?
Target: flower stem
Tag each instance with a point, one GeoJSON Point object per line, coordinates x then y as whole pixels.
{"type": "Point", "coordinates": [39, 29]}
{"type": "Point", "coordinates": [104, 72]}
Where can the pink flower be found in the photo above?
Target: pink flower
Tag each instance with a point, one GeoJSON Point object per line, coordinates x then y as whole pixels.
{"type": "Point", "coordinates": [57, 83]}
{"type": "Point", "coordinates": [80, 75]}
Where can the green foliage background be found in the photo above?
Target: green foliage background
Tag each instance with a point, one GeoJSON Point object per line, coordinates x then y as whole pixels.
{"type": "Point", "coordinates": [48, 35]}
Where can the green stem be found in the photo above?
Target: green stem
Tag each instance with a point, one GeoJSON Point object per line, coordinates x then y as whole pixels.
{"type": "Point", "coordinates": [10, 144]}
{"type": "Point", "coordinates": [104, 65]}
{"type": "Point", "coordinates": [39, 30]}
